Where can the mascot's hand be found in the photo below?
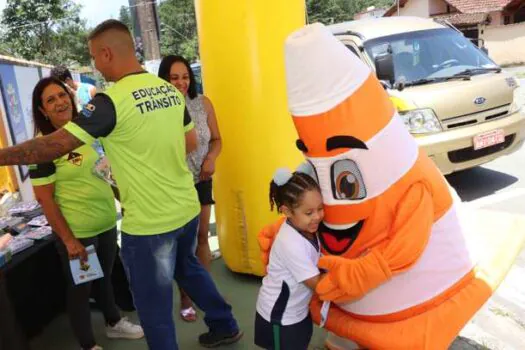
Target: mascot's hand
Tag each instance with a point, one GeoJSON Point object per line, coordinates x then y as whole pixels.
{"type": "Point", "coordinates": [266, 237]}
{"type": "Point", "coordinates": [349, 279]}
{"type": "Point", "coordinates": [328, 288]}
{"type": "Point", "coordinates": [338, 321]}
{"type": "Point", "coordinates": [315, 308]}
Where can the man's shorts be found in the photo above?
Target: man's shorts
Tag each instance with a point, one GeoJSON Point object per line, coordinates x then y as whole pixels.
{"type": "Point", "coordinates": [204, 190]}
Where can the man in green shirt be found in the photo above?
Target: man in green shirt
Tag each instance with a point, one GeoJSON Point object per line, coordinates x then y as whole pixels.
{"type": "Point", "coordinates": [139, 121]}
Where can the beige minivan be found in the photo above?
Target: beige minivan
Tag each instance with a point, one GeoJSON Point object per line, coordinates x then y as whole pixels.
{"type": "Point", "coordinates": [460, 106]}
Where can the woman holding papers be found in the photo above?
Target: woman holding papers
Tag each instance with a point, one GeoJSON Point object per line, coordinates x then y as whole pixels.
{"type": "Point", "coordinates": [80, 208]}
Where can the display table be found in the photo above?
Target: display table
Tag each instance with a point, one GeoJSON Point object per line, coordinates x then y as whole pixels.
{"type": "Point", "coordinates": [11, 336]}
{"type": "Point", "coordinates": [33, 292]}
{"type": "Point", "coordinates": [35, 285]}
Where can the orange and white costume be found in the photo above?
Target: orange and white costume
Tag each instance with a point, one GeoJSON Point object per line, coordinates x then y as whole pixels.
{"type": "Point", "coordinates": [399, 270]}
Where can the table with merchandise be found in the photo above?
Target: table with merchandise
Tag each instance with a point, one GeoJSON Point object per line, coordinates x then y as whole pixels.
{"type": "Point", "coordinates": [31, 272]}
{"type": "Point", "coordinates": [30, 269]}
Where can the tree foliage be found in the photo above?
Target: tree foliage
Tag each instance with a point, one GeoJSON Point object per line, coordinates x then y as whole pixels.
{"type": "Point", "coordinates": [52, 31]}
{"type": "Point", "coordinates": [125, 17]}
{"type": "Point", "coordinates": [49, 31]}
{"type": "Point", "coordinates": [335, 11]}
{"type": "Point", "coordinates": [326, 11]}
{"type": "Point", "coordinates": [178, 29]}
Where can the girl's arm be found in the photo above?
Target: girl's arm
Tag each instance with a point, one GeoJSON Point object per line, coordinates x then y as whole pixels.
{"type": "Point", "coordinates": [312, 282]}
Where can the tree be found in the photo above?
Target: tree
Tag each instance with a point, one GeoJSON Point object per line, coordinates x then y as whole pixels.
{"type": "Point", "coordinates": [4, 48]}
{"type": "Point", "coordinates": [125, 17]}
{"type": "Point", "coordinates": [69, 45]}
{"type": "Point", "coordinates": [178, 29]}
{"type": "Point", "coordinates": [335, 11]}
{"type": "Point", "coordinates": [50, 31]}
{"type": "Point", "coordinates": [326, 12]}
{"type": "Point", "coordinates": [355, 6]}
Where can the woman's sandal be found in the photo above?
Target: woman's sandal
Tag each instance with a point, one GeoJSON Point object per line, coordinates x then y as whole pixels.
{"type": "Point", "coordinates": [189, 314]}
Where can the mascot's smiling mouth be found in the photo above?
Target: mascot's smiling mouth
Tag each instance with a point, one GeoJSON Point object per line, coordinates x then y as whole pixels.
{"type": "Point", "coordinates": [337, 241]}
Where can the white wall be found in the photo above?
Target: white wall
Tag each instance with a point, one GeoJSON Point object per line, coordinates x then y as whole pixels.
{"type": "Point", "coordinates": [506, 44]}
{"type": "Point", "coordinates": [419, 8]}
{"type": "Point", "coordinates": [497, 19]}
{"type": "Point", "coordinates": [76, 76]}
{"type": "Point", "coordinates": [437, 7]}
{"type": "Point", "coordinates": [46, 72]}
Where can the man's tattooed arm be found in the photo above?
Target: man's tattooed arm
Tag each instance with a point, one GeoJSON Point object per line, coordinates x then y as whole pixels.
{"type": "Point", "coordinates": [41, 149]}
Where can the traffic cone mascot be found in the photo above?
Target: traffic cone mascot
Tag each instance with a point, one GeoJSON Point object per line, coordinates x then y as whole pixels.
{"type": "Point", "coordinates": [399, 272]}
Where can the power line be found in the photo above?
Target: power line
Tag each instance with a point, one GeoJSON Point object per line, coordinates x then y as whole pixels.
{"type": "Point", "coordinates": [50, 21]}
{"type": "Point", "coordinates": [174, 30]}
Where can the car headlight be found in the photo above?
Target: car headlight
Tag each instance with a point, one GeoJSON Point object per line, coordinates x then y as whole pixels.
{"type": "Point", "coordinates": [518, 101]}
{"type": "Point", "coordinates": [421, 121]}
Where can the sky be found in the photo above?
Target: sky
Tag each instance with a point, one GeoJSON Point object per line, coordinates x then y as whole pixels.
{"type": "Point", "coordinates": [94, 11]}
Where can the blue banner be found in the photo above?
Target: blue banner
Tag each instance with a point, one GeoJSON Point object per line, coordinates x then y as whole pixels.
{"type": "Point", "coordinates": [14, 111]}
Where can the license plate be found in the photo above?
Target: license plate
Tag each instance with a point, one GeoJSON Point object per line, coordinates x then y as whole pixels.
{"type": "Point", "coordinates": [488, 139]}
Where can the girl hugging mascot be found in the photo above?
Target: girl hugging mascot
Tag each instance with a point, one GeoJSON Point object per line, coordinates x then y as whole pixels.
{"type": "Point", "coordinates": [399, 272]}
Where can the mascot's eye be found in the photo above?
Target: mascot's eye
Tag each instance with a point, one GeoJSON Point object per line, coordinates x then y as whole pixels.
{"type": "Point", "coordinates": [347, 186]}
{"type": "Point", "coordinates": [347, 182]}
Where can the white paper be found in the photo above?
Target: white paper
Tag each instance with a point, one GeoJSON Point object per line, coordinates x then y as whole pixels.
{"type": "Point", "coordinates": [39, 233]}
{"type": "Point", "coordinates": [19, 243]}
{"type": "Point", "coordinates": [23, 207]}
{"type": "Point", "coordinates": [324, 313]}
{"type": "Point", "coordinates": [87, 271]}
{"type": "Point", "coordinates": [102, 170]}
{"type": "Point", "coordinates": [38, 221]}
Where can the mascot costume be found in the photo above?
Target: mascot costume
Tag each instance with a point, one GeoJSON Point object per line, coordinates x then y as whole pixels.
{"type": "Point", "coordinates": [399, 271]}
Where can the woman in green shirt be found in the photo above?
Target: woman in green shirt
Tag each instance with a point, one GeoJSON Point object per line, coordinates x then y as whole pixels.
{"type": "Point", "coordinates": [80, 208]}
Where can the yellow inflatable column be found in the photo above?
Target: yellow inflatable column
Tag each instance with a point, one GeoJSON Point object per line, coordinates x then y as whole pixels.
{"type": "Point", "coordinates": [242, 55]}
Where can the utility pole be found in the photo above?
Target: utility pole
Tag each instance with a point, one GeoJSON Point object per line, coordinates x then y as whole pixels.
{"type": "Point", "coordinates": [398, 7]}
{"type": "Point", "coordinates": [147, 17]}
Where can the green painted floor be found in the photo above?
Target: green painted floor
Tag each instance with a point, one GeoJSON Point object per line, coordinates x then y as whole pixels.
{"type": "Point", "coordinates": [239, 290]}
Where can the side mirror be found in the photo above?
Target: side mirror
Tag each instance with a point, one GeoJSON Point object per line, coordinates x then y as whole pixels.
{"type": "Point", "coordinates": [385, 67]}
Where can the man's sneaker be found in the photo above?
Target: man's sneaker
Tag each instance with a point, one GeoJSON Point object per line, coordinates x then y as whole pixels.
{"type": "Point", "coordinates": [213, 339]}
{"type": "Point", "coordinates": [124, 330]}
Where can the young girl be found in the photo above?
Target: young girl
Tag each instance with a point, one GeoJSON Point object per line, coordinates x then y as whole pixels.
{"type": "Point", "coordinates": [283, 320]}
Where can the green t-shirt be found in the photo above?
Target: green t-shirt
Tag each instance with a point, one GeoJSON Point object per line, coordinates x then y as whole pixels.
{"type": "Point", "coordinates": [140, 121]}
{"type": "Point", "coordinates": [86, 201]}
